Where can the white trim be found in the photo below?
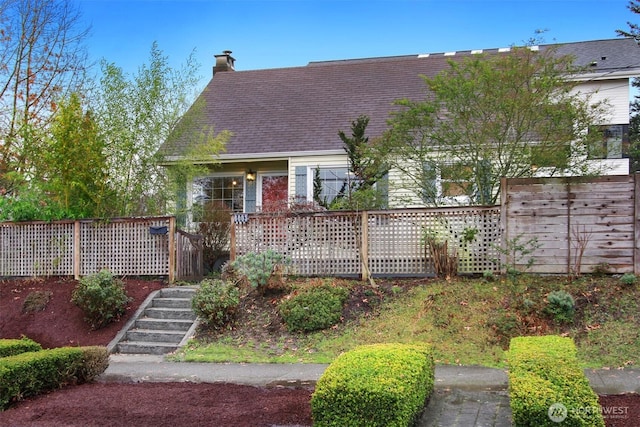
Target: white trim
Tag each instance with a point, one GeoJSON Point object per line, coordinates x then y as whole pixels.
{"type": "Point", "coordinates": [607, 75]}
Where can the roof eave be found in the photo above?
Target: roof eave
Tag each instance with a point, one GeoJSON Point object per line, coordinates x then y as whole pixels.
{"type": "Point", "coordinates": [607, 75]}
{"type": "Point", "coordinates": [248, 157]}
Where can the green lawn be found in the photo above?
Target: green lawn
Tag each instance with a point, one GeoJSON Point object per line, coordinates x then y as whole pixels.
{"type": "Point", "coordinates": [468, 321]}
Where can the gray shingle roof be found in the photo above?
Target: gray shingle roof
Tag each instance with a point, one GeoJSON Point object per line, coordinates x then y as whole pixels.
{"type": "Point", "coordinates": [297, 109]}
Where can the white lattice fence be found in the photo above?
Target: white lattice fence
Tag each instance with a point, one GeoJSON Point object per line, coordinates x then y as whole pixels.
{"type": "Point", "coordinates": [127, 247]}
{"type": "Point", "coordinates": [318, 244]}
{"type": "Point", "coordinates": [36, 249]}
{"type": "Point", "coordinates": [329, 243]}
{"type": "Point", "coordinates": [397, 239]}
{"type": "Point", "coordinates": [134, 247]}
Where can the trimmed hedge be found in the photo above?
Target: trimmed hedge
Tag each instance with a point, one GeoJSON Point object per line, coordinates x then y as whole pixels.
{"type": "Point", "coordinates": [11, 347]}
{"type": "Point", "coordinates": [546, 381]}
{"type": "Point", "coordinates": [31, 373]}
{"type": "Point", "coordinates": [375, 385]}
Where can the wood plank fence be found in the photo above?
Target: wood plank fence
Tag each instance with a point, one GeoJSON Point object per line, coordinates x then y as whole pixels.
{"type": "Point", "coordinates": [148, 246]}
{"type": "Point", "coordinates": [579, 223]}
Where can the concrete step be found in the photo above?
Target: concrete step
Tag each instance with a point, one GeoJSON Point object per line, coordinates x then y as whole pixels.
{"type": "Point", "coordinates": [160, 325]}
{"type": "Point", "coordinates": [178, 292]}
{"type": "Point", "coordinates": [145, 347]}
{"type": "Point", "coordinates": [163, 324]}
{"type": "Point", "coordinates": [170, 313]}
{"type": "Point", "coordinates": [155, 335]}
{"type": "Point", "coordinates": [172, 302]}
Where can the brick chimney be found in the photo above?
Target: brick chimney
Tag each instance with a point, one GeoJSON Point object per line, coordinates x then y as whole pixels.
{"type": "Point", "coordinates": [224, 62]}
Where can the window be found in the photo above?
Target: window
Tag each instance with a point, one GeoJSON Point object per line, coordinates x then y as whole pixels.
{"type": "Point", "coordinates": [456, 180]}
{"type": "Point", "coordinates": [329, 183]}
{"type": "Point", "coordinates": [226, 189]}
{"type": "Point", "coordinates": [614, 137]}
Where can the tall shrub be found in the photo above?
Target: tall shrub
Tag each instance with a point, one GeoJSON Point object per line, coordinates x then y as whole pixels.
{"type": "Point", "coordinates": [102, 298]}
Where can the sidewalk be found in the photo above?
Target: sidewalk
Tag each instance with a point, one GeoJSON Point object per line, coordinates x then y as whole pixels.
{"type": "Point", "coordinates": [138, 368]}
{"type": "Point", "coordinates": [464, 395]}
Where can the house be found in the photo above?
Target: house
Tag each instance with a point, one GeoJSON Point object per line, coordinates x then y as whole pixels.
{"type": "Point", "coordinates": [285, 121]}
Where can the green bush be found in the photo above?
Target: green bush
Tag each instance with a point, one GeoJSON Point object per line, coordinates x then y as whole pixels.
{"type": "Point", "coordinates": [544, 376]}
{"type": "Point", "coordinates": [374, 385]}
{"type": "Point", "coordinates": [216, 301]}
{"type": "Point", "coordinates": [315, 308]}
{"type": "Point", "coordinates": [101, 297]}
{"type": "Point", "coordinates": [29, 374]}
{"type": "Point", "coordinates": [258, 268]}
{"type": "Point", "coordinates": [560, 306]}
{"type": "Point", "coordinates": [95, 360]}
{"type": "Point", "coordinates": [11, 347]}
{"type": "Point", "coordinates": [629, 279]}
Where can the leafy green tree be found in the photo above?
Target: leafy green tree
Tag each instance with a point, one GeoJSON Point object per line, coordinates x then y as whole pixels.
{"type": "Point", "coordinates": [492, 116]}
{"type": "Point", "coordinates": [136, 115]}
{"type": "Point", "coordinates": [366, 169]}
{"type": "Point", "coordinates": [634, 134]}
{"type": "Point", "coordinates": [72, 168]}
{"type": "Point", "coordinates": [42, 59]}
{"type": "Point", "coordinates": [634, 29]}
{"type": "Point", "coordinates": [634, 121]}
{"type": "Point", "coordinates": [68, 176]}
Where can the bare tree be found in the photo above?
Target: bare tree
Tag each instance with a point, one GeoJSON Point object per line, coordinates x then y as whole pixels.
{"type": "Point", "coordinates": [42, 58]}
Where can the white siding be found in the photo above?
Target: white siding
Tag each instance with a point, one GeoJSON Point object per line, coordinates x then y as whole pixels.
{"type": "Point", "coordinates": [615, 92]}
{"type": "Point", "coordinates": [400, 193]}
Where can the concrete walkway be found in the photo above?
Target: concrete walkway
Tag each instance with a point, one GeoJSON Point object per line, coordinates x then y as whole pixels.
{"type": "Point", "coordinates": [464, 395]}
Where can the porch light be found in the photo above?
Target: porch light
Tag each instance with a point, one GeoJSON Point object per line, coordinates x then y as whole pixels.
{"type": "Point", "coordinates": [251, 175]}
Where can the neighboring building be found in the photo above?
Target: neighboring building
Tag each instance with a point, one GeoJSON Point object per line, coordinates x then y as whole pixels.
{"type": "Point", "coordinates": [285, 121]}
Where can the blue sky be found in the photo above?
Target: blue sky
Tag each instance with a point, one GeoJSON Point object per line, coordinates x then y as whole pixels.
{"type": "Point", "coordinates": [286, 33]}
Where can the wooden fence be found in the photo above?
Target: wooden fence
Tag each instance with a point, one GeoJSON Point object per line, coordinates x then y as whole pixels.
{"type": "Point", "coordinates": [189, 256]}
{"type": "Point", "coordinates": [379, 243]}
{"type": "Point", "coordinates": [127, 247]}
{"type": "Point", "coordinates": [573, 225]}
{"type": "Point", "coordinates": [579, 223]}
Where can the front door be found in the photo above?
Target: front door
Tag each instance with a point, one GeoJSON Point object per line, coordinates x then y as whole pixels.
{"type": "Point", "coordinates": [274, 192]}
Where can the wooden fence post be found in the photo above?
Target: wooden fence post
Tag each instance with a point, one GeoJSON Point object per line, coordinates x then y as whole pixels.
{"type": "Point", "coordinates": [636, 219]}
{"type": "Point", "coordinates": [504, 219]}
{"type": "Point", "coordinates": [77, 253]}
{"type": "Point", "coordinates": [232, 236]}
{"type": "Point", "coordinates": [172, 249]}
{"type": "Point", "coordinates": [364, 244]}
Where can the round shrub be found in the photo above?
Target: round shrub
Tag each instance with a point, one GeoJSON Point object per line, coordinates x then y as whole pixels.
{"type": "Point", "coordinates": [257, 269]}
{"type": "Point", "coordinates": [101, 297]}
{"type": "Point", "coordinates": [314, 308]}
{"type": "Point", "coordinates": [628, 279]}
{"type": "Point", "coordinates": [216, 302]}
{"type": "Point", "coordinates": [560, 306]}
